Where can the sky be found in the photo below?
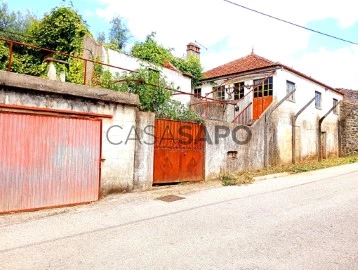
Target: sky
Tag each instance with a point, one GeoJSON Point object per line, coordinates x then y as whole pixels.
{"type": "Point", "coordinates": [229, 32]}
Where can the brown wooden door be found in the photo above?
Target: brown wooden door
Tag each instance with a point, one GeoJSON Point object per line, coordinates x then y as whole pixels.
{"type": "Point", "coordinates": [178, 151]}
{"type": "Point", "coordinates": [263, 93]}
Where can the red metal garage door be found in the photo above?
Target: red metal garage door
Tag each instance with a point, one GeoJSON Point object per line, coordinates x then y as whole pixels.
{"type": "Point", "coordinates": [178, 151]}
{"type": "Point", "coordinates": [48, 161]}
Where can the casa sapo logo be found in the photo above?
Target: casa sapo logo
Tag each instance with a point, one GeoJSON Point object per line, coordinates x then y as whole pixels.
{"type": "Point", "coordinates": [184, 135]}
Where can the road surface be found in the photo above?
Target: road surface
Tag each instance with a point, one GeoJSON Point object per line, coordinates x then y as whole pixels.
{"type": "Point", "coordinates": [304, 221]}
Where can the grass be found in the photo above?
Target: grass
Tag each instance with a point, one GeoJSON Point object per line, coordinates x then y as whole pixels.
{"type": "Point", "coordinates": [247, 177]}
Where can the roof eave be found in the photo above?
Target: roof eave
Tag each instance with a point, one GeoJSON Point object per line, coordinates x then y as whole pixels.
{"type": "Point", "coordinates": [311, 79]}
{"type": "Point", "coordinates": [246, 72]}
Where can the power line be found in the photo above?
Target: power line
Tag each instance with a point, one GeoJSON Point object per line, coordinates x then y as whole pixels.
{"type": "Point", "coordinates": [291, 23]}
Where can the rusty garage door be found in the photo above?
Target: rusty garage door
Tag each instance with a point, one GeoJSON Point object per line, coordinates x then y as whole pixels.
{"type": "Point", "coordinates": [178, 151]}
{"type": "Point", "coordinates": [48, 161]}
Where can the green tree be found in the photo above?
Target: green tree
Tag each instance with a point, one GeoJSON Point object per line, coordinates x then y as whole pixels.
{"type": "Point", "coordinates": [15, 25]}
{"type": "Point", "coordinates": [101, 38]}
{"type": "Point", "coordinates": [119, 34]}
{"type": "Point", "coordinates": [151, 51]}
{"type": "Point", "coordinates": [191, 66]}
{"type": "Point", "coordinates": [61, 30]}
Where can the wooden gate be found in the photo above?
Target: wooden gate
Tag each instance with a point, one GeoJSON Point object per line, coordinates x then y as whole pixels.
{"type": "Point", "coordinates": [48, 161]}
{"type": "Point", "coordinates": [178, 151]}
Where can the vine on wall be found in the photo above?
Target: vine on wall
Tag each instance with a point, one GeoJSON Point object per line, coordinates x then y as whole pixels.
{"type": "Point", "coordinates": [63, 29]}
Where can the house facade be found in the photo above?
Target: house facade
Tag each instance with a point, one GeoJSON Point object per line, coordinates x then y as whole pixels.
{"type": "Point", "coordinates": [250, 86]}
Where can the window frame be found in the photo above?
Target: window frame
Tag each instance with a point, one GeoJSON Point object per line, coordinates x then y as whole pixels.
{"type": "Point", "coordinates": [197, 92]}
{"type": "Point", "coordinates": [264, 88]}
{"type": "Point", "coordinates": [221, 90]}
{"type": "Point", "coordinates": [335, 110]}
{"type": "Point", "coordinates": [239, 90]}
{"type": "Point", "coordinates": [318, 94]}
{"type": "Point", "coordinates": [292, 97]}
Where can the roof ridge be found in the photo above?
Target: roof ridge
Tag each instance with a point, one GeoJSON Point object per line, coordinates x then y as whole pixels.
{"type": "Point", "coordinates": [248, 62]}
{"type": "Point", "coordinates": [263, 58]}
{"type": "Point", "coordinates": [228, 63]}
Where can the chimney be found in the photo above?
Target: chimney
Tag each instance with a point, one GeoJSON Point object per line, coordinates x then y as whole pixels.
{"type": "Point", "coordinates": [192, 49]}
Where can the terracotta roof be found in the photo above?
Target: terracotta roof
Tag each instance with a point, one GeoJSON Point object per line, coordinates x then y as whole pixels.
{"type": "Point", "coordinates": [253, 62]}
{"type": "Point", "coordinates": [249, 62]}
{"type": "Point", "coordinates": [169, 65]}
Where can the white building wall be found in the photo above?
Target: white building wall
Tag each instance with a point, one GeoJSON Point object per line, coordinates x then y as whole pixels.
{"type": "Point", "coordinates": [307, 122]}
{"type": "Point", "coordinates": [177, 79]}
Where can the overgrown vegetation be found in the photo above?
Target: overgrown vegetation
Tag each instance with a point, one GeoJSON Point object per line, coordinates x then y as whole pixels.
{"type": "Point", "coordinates": [60, 30]}
{"type": "Point", "coordinates": [15, 25]}
{"type": "Point", "coordinates": [63, 30]}
{"type": "Point", "coordinates": [246, 177]}
{"type": "Point", "coordinates": [152, 52]}
{"type": "Point", "coordinates": [118, 34]}
{"type": "Point", "coordinates": [154, 94]}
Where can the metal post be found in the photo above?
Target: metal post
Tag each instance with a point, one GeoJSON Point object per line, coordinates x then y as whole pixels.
{"type": "Point", "coordinates": [10, 57]}
{"type": "Point", "coordinates": [320, 130]}
{"type": "Point", "coordinates": [294, 118]}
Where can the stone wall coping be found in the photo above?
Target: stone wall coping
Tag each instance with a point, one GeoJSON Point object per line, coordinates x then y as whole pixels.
{"type": "Point", "coordinates": [32, 83]}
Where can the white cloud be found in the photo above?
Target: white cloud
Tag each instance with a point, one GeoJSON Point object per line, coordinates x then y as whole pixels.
{"type": "Point", "coordinates": [211, 21]}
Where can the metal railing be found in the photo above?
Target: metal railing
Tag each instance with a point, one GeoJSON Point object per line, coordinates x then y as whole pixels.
{"type": "Point", "coordinates": [245, 116]}
{"type": "Point", "coordinates": [85, 60]}
{"type": "Point", "coordinates": [244, 102]}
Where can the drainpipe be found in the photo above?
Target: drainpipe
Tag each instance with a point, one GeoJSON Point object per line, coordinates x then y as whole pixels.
{"type": "Point", "coordinates": [320, 130]}
{"type": "Point", "coordinates": [294, 118]}
{"type": "Point", "coordinates": [267, 121]}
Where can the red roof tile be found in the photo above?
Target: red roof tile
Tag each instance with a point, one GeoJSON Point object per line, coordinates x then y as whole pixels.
{"type": "Point", "coordinates": [249, 62]}
{"type": "Point", "coordinates": [253, 62]}
{"type": "Point", "coordinates": [169, 65]}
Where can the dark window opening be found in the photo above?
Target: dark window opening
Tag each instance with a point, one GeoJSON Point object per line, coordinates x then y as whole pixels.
{"type": "Point", "coordinates": [197, 92]}
{"type": "Point", "coordinates": [335, 103]}
{"type": "Point", "coordinates": [232, 154]}
{"type": "Point", "coordinates": [239, 90]}
{"type": "Point", "coordinates": [289, 87]}
{"type": "Point", "coordinates": [318, 100]}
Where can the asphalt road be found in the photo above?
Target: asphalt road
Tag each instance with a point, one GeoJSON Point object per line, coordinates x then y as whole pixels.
{"type": "Point", "coordinates": [305, 221]}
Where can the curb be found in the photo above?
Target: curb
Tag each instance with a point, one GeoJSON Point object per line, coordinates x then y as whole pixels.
{"type": "Point", "coordinates": [271, 176]}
